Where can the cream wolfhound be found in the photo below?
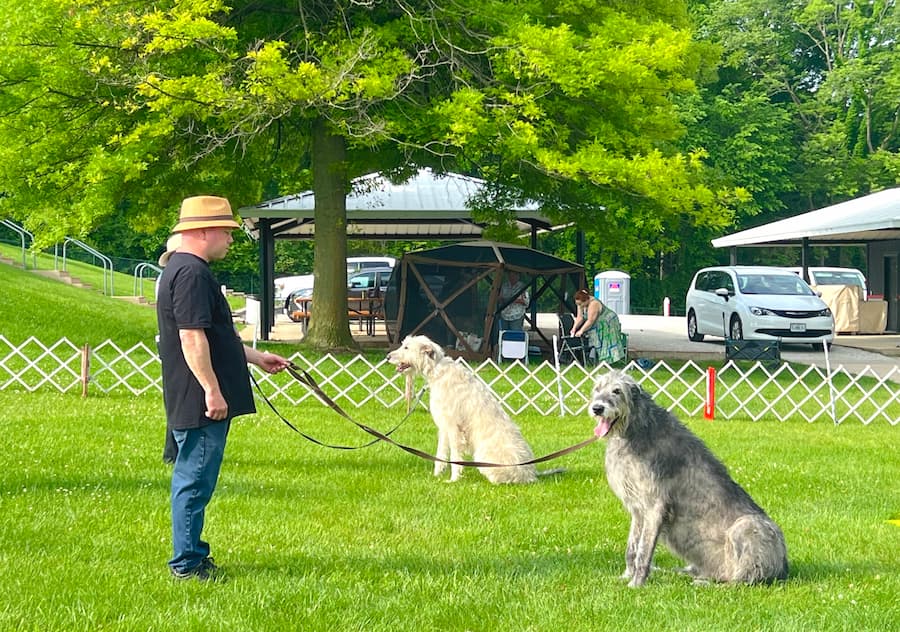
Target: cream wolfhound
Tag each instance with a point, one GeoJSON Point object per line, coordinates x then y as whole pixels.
{"type": "Point", "coordinates": [675, 489]}
{"type": "Point", "coordinates": [469, 419]}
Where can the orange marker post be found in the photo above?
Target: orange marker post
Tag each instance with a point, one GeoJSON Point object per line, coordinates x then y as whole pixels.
{"type": "Point", "coordinates": [709, 411]}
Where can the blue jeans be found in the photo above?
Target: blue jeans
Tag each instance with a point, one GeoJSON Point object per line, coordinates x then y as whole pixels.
{"type": "Point", "coordinates": [200, 452]}
{"type": "Point", "coordinates": [517, 324]}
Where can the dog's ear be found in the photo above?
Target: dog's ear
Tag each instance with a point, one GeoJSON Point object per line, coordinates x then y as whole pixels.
{"type": "Point", "coordinates": [428, 351]}
{"type": "Point", "coordinates": [635, 391]}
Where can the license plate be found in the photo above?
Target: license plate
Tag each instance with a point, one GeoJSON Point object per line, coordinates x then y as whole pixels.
{"type": "Point", "coordinates": [798, 327]}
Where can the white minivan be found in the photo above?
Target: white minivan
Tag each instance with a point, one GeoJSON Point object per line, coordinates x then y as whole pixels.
{"type": "Point", "coordinates": [756, 303]}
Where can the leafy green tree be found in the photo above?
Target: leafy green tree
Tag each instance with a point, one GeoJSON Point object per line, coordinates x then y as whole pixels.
{"type": "Point", "coordinates": [834, 68]}
{"type": "Point", "coordinates": [112, 108]}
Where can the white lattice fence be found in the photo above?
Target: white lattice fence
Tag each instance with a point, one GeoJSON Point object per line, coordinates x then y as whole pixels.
{"type": "Point", "coordinates": [33, 365]}
{"type": "Point", "coordinates": [755, 392]}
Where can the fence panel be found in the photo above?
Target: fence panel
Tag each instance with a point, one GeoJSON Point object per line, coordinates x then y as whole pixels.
{"type": "Point", "coordinates": [754, 392]}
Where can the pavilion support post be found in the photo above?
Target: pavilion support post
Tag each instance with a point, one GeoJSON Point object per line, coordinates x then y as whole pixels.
{"type": "Point", "coordinates": [267, 277]}
{"type": "Point", "coordinates": [804, 258]}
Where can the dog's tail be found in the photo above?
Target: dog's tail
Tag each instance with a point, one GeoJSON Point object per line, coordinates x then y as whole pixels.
{"type": "Point", "coordinates": [553, 472]}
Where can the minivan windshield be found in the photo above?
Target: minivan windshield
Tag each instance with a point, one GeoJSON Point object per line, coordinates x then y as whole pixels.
{"type": "Point", "coordinates": [780, 284]}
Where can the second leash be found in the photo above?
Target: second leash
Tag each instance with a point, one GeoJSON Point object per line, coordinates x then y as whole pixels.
{"type": "Point", "coordinates": [305, 378]}
{"type": "Point", "coordinates": [293, 371]}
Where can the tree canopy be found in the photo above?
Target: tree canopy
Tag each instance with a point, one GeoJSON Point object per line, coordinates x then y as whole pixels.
{"type": "Point", "coordinates": [113, 109]}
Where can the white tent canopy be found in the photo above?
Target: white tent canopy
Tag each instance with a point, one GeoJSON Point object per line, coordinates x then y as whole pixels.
{"type": "Point", "coordinates": [869, 218]}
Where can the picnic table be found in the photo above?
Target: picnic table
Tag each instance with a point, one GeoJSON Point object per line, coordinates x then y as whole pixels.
{"type": "Point", "coordinates": [362, 307]}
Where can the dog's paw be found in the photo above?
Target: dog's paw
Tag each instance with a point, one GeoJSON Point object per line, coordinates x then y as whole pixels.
{"type": "Point", "coordinates": [438, 470]}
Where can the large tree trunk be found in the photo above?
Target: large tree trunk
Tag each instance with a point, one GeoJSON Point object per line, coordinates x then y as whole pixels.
{"type": "Point", "coordinates": [329, 326]}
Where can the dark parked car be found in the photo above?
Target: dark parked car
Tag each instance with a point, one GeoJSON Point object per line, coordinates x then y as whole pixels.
{"type": "Point", "coordinates": [373, 281]}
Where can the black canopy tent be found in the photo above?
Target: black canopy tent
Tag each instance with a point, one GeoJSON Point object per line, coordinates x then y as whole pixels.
{"type": "Point", "coordinates": [452, 293]}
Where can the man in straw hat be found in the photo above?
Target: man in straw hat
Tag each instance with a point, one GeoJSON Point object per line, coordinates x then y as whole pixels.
{"type": "Point", "coordinates": [206, 382]}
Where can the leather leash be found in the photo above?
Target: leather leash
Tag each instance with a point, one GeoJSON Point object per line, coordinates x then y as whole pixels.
{"type": "Point", "coordinates": [305, 378]}
{"type": "Point", "coordinates": [292, 369]}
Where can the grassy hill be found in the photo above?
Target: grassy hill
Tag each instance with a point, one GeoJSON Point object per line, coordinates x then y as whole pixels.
{"type": "Point", "coordinates": [50, 310]}
{"type": "Point", "coordinates": [116, 284]}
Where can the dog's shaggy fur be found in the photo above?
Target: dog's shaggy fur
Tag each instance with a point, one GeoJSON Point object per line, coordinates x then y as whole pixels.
{"type": "Point", "coordinates": [468, 417]}
{"type": "Point", "coordinates": [675, 489]}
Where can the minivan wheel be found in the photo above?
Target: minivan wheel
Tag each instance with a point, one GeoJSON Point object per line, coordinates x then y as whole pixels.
{"type": "Point", "coordinates": [736, 329]}
{"type": "Point", "coordinates": [693, 335]}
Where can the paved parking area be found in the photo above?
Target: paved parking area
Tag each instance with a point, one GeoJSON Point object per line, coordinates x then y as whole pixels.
{"type": "Point", "coordinates": [665, 337]}
{"type": "Point", "coordinates": [660, 337]}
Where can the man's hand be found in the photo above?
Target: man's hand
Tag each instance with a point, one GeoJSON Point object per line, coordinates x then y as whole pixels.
{"type": "Point", "coordinates": [216, 406]}
{"type": "Point", "coordinates": [268, 362]}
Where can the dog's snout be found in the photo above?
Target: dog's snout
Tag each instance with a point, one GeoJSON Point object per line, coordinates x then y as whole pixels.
{"type": "Point", "coordinates": [597, 409]}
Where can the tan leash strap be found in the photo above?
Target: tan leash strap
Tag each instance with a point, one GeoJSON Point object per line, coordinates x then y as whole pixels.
{"type": "Point", "coordinates": [313, 439]}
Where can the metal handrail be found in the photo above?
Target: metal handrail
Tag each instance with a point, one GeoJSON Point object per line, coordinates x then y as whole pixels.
{"type": "Point", "coordinates": [22, 234]}
{"type": "Point", "coordinates": [139, 270]}
{"type": "Point", "coordinates": [106, 260]}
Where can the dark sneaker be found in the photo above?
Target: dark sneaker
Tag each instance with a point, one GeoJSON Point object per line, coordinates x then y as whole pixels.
{"type": "Point", "coordinates": [205, 571]}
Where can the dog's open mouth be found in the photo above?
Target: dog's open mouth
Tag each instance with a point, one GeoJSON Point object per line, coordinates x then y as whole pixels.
{"type": "Point", "coordinates": [604, 425]}
{"type": "Point", "coordinates": [402, 366]}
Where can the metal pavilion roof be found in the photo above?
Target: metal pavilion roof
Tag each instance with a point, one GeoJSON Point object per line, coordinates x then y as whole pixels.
{"type": "Point", "coordinates": [427, 206]}
{"type": "Point", "coordinates": [872, 217]}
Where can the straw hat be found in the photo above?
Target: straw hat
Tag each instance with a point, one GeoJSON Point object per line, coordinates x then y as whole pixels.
{"type": "Point", "coordinates": [205, 211]}
{"type": "Point", "coordinates": [172, 245]}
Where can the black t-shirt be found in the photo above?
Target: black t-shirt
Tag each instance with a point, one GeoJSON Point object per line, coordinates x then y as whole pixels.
{"type": "Point", "coordinates": [190, 298]}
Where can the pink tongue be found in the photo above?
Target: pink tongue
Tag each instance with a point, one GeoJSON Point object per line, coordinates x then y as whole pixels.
{"type": "Point", "coordinates": [602, 427]}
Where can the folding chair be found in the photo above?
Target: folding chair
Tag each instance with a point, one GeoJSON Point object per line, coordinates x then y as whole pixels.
{"type": "Point", "coordinates": [571, 348]}
{"type": "Point", "coordinates": [512, 344]}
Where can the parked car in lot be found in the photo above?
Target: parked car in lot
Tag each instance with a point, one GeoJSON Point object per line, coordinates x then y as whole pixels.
{"type": "Point", "coordinates": [295, 306]}
{"type": "Point", "coordinates": [835, 276]}
{"type": "Point", "coordinates": [373, 282]}
{"type": "Point", "coordinates": [756, 303]}
{"type": "Point", "coordinates": [287, 285]}
{"type": "Point", "coordinates": [358, 264]}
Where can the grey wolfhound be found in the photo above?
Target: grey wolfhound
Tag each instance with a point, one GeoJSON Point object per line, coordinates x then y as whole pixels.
{"type": "Point", "coordinates": [676, 489]}
{"type": "Point", "coordinates": [468, 417]}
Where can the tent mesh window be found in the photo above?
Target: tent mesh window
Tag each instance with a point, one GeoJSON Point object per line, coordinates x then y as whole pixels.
{"type": "Point", "coordinates": [452, 294]}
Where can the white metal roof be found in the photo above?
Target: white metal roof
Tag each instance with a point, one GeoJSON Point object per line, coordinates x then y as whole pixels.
{"type": "Point", "coordinates": [427, 206]}
{"type": "Point", "coordinates": [868, 218]}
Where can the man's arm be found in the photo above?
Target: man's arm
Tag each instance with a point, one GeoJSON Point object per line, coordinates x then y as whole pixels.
{"type": "Point", "coordinates": [195, 347]}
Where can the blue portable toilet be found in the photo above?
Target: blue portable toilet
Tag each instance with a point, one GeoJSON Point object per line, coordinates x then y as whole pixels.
{"type": "Point", "coordinates": [613, 288]}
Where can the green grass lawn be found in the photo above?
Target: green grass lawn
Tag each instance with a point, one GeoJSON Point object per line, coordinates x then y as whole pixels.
{"type": "Point", "coordinates": [49, 310]}
{"type": "Point", "coordinates": [115, 283]}
{"type": "Point", "coordinates": [319, 539]}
